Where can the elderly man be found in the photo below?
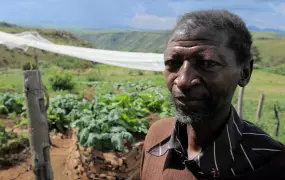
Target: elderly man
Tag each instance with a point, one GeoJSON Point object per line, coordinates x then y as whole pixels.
{"type": "Point", "coordinates": [207, 56]}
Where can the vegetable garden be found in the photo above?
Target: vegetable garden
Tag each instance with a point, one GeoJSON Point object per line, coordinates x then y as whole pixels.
{"type": "Point", "coordinates": [111, 122]}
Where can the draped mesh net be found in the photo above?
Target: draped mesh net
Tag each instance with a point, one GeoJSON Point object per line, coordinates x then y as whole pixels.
{"type": "Point", "coordinates": [135, 60]}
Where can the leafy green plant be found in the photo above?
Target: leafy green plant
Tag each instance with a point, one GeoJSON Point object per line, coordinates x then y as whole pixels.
{"type": "Point", "coordinates": [62, 81]}
{"type": "Point", "coordinates": [4, 135]}
{"type": "Point", "coordinates": [11, 102]}
{"type": "Point", "coordinates": [59, 109]}
{"type": "Point", "coordinates": [3, 109]}
{"type": "Point", "coordinates": [125, 111]}
{"type": "Point", "coordinates": [129, 86]}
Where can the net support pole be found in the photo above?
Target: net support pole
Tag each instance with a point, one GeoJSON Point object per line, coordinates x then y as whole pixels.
{"type": "Point", "coordinates": [37, 124]}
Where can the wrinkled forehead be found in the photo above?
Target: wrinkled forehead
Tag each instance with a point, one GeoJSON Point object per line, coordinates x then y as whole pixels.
{"type": "Point", "coordinates": [198, 34]}
{"type": "Point", "coordinates": [210, 43]}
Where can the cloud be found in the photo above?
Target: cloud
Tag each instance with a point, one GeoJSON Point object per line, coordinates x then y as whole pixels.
{"type": "Point", "coordinates": [152, 14]}
{"type": "Point", "coordinates": [279, 8]}
{"type": "Point", "coordinates": [259, 13]}
{"type": "Point", "coordinates": [147, 21]}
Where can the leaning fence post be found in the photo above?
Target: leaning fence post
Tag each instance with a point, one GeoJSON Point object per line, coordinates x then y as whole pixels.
{"type": "Point", "coordinates": [259, 107]}
{"type": "Point", "coordinates": [240, 101]}
{"type": "Point", "coordinates": [37, 123]}
{"type": "Point", "coordinates": [277, 119]}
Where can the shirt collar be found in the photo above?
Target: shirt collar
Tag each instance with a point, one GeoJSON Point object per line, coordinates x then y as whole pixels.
{"type": "Point", "coordinates": [219, 155]}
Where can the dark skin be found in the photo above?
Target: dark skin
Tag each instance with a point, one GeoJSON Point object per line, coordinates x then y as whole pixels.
{"type": "Point", "coordinates": [202, 74]}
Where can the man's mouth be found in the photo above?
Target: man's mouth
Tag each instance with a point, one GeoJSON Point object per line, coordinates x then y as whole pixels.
{"type": "Point", "coordinates": [181, 101]}
{"type": "Point", "coordinates": [184, 100]}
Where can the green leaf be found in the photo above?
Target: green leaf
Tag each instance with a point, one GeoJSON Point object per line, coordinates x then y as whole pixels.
{"type": "Point", "coordinates": [118, 141]}
{"type": "Point", "coordinates": [83, 136]}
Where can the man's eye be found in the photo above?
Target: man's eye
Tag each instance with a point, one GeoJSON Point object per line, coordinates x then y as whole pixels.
{"type": "Point", "coordinates": [173, 65]}
{"type": "Point", "coordinates": [207, 64]}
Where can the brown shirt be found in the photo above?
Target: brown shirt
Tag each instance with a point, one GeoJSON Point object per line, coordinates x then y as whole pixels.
{"type": "Point", "coordinates": [241, 151]}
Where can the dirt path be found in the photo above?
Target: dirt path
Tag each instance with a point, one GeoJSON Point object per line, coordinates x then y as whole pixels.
{"type": "Point", "coordinates": [58, 159]}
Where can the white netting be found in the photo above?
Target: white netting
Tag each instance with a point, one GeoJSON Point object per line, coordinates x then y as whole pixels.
{"type": "Point", "coordinates": [143, 61]}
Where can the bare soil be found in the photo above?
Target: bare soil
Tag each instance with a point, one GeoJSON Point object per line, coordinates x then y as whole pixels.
{"type": "Point", "coordinates": [58, 155]}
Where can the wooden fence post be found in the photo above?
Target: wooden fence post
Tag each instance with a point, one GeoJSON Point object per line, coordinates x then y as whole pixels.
{"type": "Point", "coordinates": [37, 122]}
{"type": "Point", "coordinates": [240, 101]}
{"type": "Point", "coordinates": [276, 109]}
{"type": "Point", "coordinates": [38, 125]}
{"type": "Point", "coordinates": [259, 107]}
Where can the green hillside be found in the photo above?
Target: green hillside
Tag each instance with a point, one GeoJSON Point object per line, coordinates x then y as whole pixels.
{"type": "Point", "coordinates": [16, 58]}
{"type": "Point", "coordinates": [141, 41]}
{"type": "Point", "coordinates": [271, 45]}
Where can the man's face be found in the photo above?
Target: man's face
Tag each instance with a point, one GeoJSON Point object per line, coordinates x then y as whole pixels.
{"type": "Point", "coordinates": [201, 72]}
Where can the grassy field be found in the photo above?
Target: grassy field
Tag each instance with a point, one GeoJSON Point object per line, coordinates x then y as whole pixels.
{"type": "Point", "coordinates": [271, 51]}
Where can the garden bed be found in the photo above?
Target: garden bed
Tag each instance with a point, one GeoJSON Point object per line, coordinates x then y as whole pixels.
{"type": "Point", "coordinates": [90, 163]}
{"type": "Point", "coordinates": [14, 143]}
{"type": "Point", "coordinates": [17, 151]}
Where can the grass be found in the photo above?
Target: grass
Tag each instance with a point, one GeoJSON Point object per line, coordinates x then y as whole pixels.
{"type": "Point", "coordinates": [271, 51]}
{"type": "Point", "coordinates": [267, 35]}
{"type": "Point", "coordinates": [273, 88]}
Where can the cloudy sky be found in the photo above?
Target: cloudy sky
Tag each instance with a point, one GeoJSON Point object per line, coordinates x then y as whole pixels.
{"type": "Point", "coordinates": [146, 14]}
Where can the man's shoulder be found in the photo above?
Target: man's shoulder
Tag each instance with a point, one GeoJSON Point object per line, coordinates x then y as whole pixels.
{"type": "Point", "coordinates": [259, 141]}
{"type": "Point", "coordinates": [160, 130]}
{"type": "Point", "coordinates": [165, 122]}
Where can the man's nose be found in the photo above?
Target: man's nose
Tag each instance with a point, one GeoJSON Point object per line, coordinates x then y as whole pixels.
{"type": "Point", "coordinates": [187, 76]}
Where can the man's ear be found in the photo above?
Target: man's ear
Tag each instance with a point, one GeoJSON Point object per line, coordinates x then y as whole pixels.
{"type": "Point", "coordinates": [245, 74]}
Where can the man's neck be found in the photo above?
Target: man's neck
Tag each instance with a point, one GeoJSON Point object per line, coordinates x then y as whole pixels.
{"type": "Point", "coordinates": [202, 134]}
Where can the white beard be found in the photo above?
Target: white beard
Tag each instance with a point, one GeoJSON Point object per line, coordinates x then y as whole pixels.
{"type": "Point", "coordinates": [188, 117]}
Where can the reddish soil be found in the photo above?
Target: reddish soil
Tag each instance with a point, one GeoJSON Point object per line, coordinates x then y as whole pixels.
{"type": "Point", "coordinates": [58, 159]}
{"type": "Point", "coordinates": [7, 123]}
{"type": "Point", "coordinates": [89, 93]}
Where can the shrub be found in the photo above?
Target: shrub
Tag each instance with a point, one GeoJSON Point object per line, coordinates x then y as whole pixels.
{"type": "Point", "coordinates": [96, 77]}
{"type": "Point", "coordinates": [62, 82]}
{"type": "Point", "coordinates": [277, 70]}
{"type": "Point", "coordinates": [157, 73]}
{"type": "Point", "coordinates": [140, 73]}
{"type": "Point", "coordinates": [136, 73]}
{"type": "Point", "coordinates": [71, 63]}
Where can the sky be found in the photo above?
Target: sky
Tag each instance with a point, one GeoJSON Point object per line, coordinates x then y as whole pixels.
{"type": "Point", "coordinates": [142, 14]}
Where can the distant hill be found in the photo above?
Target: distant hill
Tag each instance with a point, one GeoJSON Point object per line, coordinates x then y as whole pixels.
{"type": "Point", "coordinates": [271, 45]}
{"type": "Point", "coordinates": [16, 58]}
{"type": "Point", "coordinates": [254, 28]}
{"type": "Point", "coordinates": [127, 40]}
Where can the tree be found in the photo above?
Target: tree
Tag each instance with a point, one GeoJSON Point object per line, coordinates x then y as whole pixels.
{"type": "Point", "coordinates": [255, 54]}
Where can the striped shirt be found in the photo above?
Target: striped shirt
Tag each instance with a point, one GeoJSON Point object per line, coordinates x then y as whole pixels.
{"type": "Point", "coordinates": [241, 148]}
